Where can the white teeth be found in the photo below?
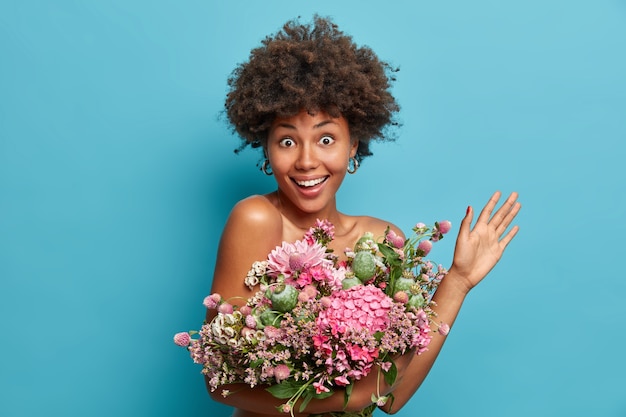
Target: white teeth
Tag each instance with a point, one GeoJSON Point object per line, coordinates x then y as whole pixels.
{"type": "Point", "coordinates": [310, 183]}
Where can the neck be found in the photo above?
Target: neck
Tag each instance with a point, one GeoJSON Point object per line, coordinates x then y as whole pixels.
{"type": "Point", "coordinates": [303, 220]}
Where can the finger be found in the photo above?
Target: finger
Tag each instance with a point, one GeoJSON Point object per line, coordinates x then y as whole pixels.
{"type": "Point", "coordinates": [504, 242]}
{"type": "Point", "coordinates": [503, 211]}
{"type": "Point", "coordinates": [466, 223]}
{"type": "Point", "coordinates": [508, 218]}
{"type": "Point", "coordinates": [485, 214]}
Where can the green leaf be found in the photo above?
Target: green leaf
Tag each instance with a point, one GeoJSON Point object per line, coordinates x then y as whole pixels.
{"type": "Point", "coordinates": [305, 402]}
{"type": "Point", "coordinates": [256, 363]}
{"type": "Point", "coordinates": [347, 394]}
{"type": "Point", "coordinates": [285, 389]}
{"type": "Point", "coordinates": [391, 374]}
{"type": "Point", "coordinates": [392, 399]}
{"type": "Point", "coordinates": [390, 255]}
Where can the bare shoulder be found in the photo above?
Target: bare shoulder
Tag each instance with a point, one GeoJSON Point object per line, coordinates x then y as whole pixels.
{"type": "Point", "coordinates": [253, 229]}
{"type": "Point", "coordinates": [253, 223]}
{"type": "Point", "coordinates": [255, 213]}
{"type": "Point", "coordinates": [376, 226]}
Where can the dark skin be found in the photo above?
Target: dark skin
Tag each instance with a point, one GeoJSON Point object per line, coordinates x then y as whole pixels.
{"type": "Point", "coordinates": [309, 169]}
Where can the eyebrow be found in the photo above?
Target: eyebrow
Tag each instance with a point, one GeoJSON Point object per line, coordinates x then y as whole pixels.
{"type": "Point", "coordinates": [317, 126]}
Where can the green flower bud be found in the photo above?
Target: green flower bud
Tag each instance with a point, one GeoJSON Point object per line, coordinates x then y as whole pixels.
{"type": "Point", "coordinates": [364, 265]}
{"type": "Point", "coordinates": [350, 282]}
{"type": "Point", "coordinates": [403, 284]}
{"type": "Point", "coordinates": [417, 301]}
{"type": "Point", "coordinates": [284, 298]}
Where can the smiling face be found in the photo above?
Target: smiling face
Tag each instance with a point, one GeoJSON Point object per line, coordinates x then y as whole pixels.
{"type": "Point", "coordinates": [309, 155]}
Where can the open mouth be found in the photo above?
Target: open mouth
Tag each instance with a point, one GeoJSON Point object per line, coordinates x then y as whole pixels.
{"type": "Point", "coordinates": [310, 183]}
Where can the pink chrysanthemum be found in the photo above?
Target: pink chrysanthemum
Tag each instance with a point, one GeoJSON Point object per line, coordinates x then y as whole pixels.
{"type": "Point", "coordinates": [362, 306]}
{"type": "Point", "coordinates": [292, 257]}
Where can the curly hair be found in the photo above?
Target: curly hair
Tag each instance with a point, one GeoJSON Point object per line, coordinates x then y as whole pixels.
{"type": "Point", "coordinates": [312, 67]}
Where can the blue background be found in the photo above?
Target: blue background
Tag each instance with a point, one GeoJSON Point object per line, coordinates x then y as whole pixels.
{"type": "Point", "coordinates": [117, 174]}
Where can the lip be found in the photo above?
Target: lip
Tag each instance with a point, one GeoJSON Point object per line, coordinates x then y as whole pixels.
{"type": "Point", "coordinates": [317, 184]}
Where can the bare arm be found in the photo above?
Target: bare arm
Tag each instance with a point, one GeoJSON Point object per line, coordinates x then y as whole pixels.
{"type": "Point", "coordinates": [477, 251]}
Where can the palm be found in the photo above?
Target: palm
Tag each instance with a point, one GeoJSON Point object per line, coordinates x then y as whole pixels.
{"type": "Point", "coordinates": [478, 249]}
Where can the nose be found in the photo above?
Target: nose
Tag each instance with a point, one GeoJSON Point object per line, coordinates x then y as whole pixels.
{"type": "Point", "coordinates": [307, 158]}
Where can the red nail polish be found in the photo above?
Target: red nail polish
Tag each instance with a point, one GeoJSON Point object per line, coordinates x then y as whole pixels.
{"type": "Point", "coordinates": [468, 209]}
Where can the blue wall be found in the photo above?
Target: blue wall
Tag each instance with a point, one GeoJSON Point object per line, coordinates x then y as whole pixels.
{"type": "Point", "coordinates": [117, 174]}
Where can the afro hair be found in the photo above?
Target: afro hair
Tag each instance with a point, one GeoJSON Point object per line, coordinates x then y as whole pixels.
{"type": "Point", "coordinates": [312, 67]}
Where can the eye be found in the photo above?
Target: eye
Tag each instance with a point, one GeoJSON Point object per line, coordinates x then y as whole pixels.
{"type": "Point", "coordinates": [327, 140]}
{"type": "Point", "coordinates": [286, 142]}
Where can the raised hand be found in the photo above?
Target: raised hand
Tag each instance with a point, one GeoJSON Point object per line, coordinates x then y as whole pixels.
{"type": "Point", "coordinates": [478, 249]}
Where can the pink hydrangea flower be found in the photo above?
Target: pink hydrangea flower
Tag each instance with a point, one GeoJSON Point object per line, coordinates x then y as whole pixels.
{"type": "Point", "coordinates": [362, 353]}
{"type": "Point", "coordinates": [182, 339]}
{"type": "Point", "coordinates": [444, 329]}
{"type": "Point", "coordinates": [361, 306]}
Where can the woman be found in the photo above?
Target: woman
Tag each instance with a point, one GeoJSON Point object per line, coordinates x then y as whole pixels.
{"type": "Point", "coordinates": [312, 100]}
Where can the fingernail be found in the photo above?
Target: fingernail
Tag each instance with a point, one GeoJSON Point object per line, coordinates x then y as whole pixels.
{"type": "Point", "coordinates": [468, 210]}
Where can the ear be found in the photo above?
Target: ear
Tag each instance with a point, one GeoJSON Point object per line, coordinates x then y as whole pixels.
{"type": "Point", "coordinates": [354, 145]}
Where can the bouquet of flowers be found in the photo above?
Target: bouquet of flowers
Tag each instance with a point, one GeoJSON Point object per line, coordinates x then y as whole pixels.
{"type": "Point", "coordinates": [318, 323]}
